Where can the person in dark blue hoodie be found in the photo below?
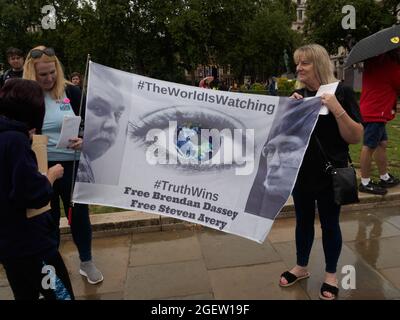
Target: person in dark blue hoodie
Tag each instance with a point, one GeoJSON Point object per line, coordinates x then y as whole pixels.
{"type": "Point", "coordinates": [28, 246]}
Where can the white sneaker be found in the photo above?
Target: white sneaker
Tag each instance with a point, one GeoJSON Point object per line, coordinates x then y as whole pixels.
{"type": "Point", "coordinates": [92, 274]}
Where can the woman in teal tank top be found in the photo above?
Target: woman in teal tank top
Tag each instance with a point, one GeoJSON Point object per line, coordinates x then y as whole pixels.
{"type": "Point", "coordinates": [63, 99]}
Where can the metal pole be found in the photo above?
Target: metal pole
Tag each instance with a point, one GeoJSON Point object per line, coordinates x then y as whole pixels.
{"type": "Point", "coordinates": [71, 205]}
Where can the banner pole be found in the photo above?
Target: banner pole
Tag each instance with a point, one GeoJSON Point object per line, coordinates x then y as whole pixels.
{"type": "Point", "coordinates": [71, 204]}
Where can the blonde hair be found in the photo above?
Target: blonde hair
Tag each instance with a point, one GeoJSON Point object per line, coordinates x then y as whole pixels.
{"type": "Point", "coordinates": [319, 57]}
{"type": "Point", "coordinates": [57, 91]}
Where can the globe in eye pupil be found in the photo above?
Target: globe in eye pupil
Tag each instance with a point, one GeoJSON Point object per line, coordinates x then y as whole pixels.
{"type": "Point", "coordinates": [190, 144]}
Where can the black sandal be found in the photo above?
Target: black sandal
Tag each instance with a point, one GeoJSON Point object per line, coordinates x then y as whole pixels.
{"type": "Point", "coordinates": [291, 278]}
{"type": "Point", "coordinates": [328, 288]}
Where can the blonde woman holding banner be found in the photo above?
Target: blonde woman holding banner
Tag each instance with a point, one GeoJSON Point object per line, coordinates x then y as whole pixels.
{"type": "Point", "coordinates": [335, 131]}
{"type": "Point", "coordinates": [63, 99]}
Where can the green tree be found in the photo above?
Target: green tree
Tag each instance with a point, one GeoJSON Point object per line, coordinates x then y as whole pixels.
{"type": "Point", "coordinates": [392, 6]}
{"type": "Point", "coordinates": [324, 21]}
{"type": "Point", "coordinates": [157, 38]}
{"type": "Point", "coordinates": [21, 26]}
{"type": "Point", "coordinates": [265, 34]}
{"type": "Point", "coordinates": [208, 32]}
{"type": "Point", "coordinates": [270, 35]}
{"type": "Point", "coordinates": [18, 19]}
{"type": "Point", "coordinates": [154, 50]}
{"type": "Point", "coordinates": [190, 33]}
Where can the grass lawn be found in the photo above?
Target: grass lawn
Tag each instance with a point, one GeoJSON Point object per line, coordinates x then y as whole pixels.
{"type": "Point", "coordinates": [100, 209]}
{"type": "Point", "coordinates": [95, 209]}
{"type": "Point", "coordinates": [393, 150]}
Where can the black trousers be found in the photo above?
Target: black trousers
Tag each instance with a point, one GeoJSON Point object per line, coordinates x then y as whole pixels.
{"type": "Point", "coordinates": [81, 228]}
{"type": "Point", "coordinates": [329, 213]}
{"type": "Point", "coordinates": [26, 278]}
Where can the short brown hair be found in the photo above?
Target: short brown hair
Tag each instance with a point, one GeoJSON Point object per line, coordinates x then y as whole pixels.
{"type": "Point", "coordinates": [23, 100]}
{"type": "Point", "coordinates": [14, 52]}
{"type": "Point", "coordinates": [75, 74]}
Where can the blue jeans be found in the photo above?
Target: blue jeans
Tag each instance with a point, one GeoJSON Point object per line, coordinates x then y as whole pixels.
{"type": "Point", "coordinates": [329, 217]}
{"type": "Point", "coordinates": [81, 228]}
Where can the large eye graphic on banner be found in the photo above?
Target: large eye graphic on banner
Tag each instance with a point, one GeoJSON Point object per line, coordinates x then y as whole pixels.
{"type": "Point", "coordinates": [193, 138]}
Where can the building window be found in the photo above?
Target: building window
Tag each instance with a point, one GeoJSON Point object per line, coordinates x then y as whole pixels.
{"type": "Point", "coordinates": [300, 15]}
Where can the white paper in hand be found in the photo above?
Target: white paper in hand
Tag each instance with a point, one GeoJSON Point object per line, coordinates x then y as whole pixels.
{"type": "Point", "coordinates": [69, 130]}
{"type": "Point", "coordinates": [326, 88]}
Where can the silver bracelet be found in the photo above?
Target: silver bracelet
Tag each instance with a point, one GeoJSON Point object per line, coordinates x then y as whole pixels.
{"type": "Point", "coordinates": [342, 113]}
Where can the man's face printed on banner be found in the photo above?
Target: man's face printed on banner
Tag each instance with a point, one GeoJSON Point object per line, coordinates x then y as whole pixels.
{"type": "Point", "coordinates": [106, 116]}
{"type": "Point", "coordinates": [282, 157]}
{"type": "Point", "coordinates": [102, 125]}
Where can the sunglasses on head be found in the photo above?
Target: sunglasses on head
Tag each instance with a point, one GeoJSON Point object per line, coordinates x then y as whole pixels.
{"type": "Point", "coordinates": [37, 53]}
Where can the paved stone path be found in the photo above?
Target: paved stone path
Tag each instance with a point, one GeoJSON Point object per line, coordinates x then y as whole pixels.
{"type": "Point", "coordinates": [201, 263]}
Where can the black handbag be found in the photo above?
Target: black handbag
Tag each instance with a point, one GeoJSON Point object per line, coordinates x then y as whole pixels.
{"type": "Point", "coordinates": [344, 180]}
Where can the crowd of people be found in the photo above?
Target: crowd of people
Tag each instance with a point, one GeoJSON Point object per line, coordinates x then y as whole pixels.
{"type": "Point", "coordinates": [270, 86]}
{"type": "Point", "coordinates": [35, 96]}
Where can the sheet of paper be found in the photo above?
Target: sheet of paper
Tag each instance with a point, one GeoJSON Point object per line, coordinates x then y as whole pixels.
{"type": "Point", "coordinates": [69, 129]}
{"type": "Point", "coordinates": [326, 88]}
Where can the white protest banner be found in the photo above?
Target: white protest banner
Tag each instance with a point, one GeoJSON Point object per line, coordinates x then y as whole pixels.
{"type": "Point", "coordinates": [224, 160]}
